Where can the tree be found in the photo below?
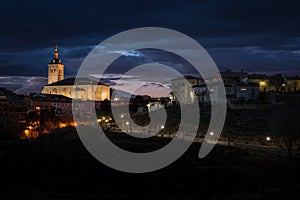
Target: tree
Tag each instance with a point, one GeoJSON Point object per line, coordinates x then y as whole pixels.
{"type": "Point", "coordinates": [105, 108]}
{"type": "Point", "coordinates": [285, 124]}
{"type": "Point", "coordinates": [31, 117]}
{"type": "Point", "coordinates": [138, 101]}
{"type": "Point", "coordinates": [276, 81]}
{"type": "Point", "coordinates": [231, 124]}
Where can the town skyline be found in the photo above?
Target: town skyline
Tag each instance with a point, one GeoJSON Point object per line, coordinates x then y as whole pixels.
{"type": "Point", "coordinates": [172, 99]}
{"type": "Point", "coordinates": [35, 83]}
{"type": "Point", "coordinates": [266, 42]}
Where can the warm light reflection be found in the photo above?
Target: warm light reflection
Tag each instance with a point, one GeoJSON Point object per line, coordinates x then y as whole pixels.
{"type": "Point", "coordinates": [262, 83]}
{"type": "Point", "coordinates": [62, 125]}
{"type": "Point", "coordinates": [27, 133]}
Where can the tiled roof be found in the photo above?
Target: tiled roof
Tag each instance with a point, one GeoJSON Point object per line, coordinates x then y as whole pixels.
{"type": "Point", "coordinates": [293, 78]}
{"type": "Point", "coordinates": [258, 76]}
{"type": "Point", "coordinates": [248, 84]}
{"type": "Point", "coordinates": [49, 97]}
{"type": "Point", "coordinates": [80, 81]}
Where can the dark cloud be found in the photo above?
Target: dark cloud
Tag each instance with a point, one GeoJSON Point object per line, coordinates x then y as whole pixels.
{"type": "Point", "coordinates": [251, 34]}
{"type": "Point", "coordinates": [23, 84]}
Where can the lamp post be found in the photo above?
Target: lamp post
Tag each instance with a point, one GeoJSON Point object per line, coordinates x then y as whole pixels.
{"type": "Point", "coordinates": [127, 124]}
{"type": "Point", "coordinates": [212, 136]}
{"type": "Point", "coordinates": [268, 139]}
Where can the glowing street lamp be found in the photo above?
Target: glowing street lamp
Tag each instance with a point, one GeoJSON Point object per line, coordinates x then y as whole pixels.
{"type": "Point", "coordinates": [27, 133]}
{"type": "Point", "coordinates": [268, 138]}
{"type": "Point", "coordinates": [211, 133]}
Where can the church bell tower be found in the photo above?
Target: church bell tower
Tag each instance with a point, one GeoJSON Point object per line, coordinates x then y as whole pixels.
{"type": "Point", "coordinates": [55, 68]}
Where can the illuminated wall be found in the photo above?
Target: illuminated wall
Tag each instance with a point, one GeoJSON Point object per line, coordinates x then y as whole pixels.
{"type": "Point", "coordinates": [84, 92]}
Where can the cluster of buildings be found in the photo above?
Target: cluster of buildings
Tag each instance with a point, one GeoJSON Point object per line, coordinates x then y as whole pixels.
{"type": "Point", "coordinates": [25, 112]}
{"type": "Point", "coordinates": [84, 88]}
{"type": "Point", "coordinates": [239, 86]}
{"type": "Point", "coordinates": [55, 100]}
{"type": "Point", "coordinates": [56, 97]}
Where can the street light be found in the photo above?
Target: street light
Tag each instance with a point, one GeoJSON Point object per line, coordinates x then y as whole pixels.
{"type": "Point", "coordinates": [27, 133]}
{"type": "Point", "coordinates": [212, 138]}
{"type": "Point", "coordinates": [268, 138]}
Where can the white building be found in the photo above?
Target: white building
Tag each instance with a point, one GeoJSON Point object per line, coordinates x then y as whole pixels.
{"type": "Point", "coordinates": [86, 89]}
{"type": "Point", "coordinates": [183, 86]}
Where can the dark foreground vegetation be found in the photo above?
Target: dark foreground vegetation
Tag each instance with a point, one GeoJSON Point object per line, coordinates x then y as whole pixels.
{"type": "Point", "coordinates": [57, 166]}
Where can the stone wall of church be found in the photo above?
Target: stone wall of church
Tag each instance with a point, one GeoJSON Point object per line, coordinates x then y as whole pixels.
{"type": "Point", "coordinates": [84, 92]}
{"type": "Point", "coordinates": [55, 73]}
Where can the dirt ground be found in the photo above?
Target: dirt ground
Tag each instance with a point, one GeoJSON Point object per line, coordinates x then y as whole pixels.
{"type": "Point", "coordinates": [57, 166]}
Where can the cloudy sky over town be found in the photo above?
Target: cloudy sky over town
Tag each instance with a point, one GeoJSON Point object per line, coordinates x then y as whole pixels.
{"type": "Point", "coordinates": [256, 36]}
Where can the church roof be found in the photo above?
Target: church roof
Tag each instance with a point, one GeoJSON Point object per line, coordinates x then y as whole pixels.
{"type": "Point", "coordinates": [80, 81]}
{"type": "Point", "coordinates": [49, 97]}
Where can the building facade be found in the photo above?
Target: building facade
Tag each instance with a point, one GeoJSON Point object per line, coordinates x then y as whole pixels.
{"type": "Point", "coordinates": [85, 89]}
{"type": "Point", "coordinates": [292, 84]}
{"type": "Point", "coordinates": [183, 86]}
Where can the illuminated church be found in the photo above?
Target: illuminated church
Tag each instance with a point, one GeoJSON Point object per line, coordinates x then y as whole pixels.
{"type": "Point", "coordinates": [87, 89]}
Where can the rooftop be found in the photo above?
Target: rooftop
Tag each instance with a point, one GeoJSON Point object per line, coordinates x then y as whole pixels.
{"type": "Point", "coordinates": [80, 81]}
{"type": "Point", "coordinates": [49, 97]}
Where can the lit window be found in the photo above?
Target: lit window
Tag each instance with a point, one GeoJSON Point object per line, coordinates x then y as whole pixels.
{"type": "Point", "coordinates": [262, 83]}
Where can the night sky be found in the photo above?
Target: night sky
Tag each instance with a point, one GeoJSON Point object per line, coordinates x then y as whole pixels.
{"type": "Point", "coordinates": [257, 36]}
